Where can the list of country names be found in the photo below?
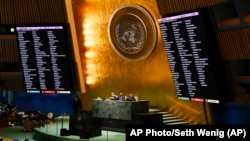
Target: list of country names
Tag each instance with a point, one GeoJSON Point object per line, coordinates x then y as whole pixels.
{"type": "Point", "coordinates": [41, 59]}
{"type": "Point", "coordinates": [184, 48]}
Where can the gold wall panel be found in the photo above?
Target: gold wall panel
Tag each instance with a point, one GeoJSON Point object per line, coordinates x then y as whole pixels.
{"type": "Point", "coordinates": [107, 72]}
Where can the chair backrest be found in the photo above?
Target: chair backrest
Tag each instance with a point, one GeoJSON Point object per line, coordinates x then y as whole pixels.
{"type": "Point", "coordinates": [13, 116]}
{"type": "Point", "coordinates": [136, 98]}
{"type": "Point", "coordinates": [27, 126]}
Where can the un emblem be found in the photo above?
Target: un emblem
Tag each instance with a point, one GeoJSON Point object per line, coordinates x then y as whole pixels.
{"type": "Point", "coordinates": [132, 32]}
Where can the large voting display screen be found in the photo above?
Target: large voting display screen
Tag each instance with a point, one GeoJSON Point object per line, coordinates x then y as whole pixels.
{"type": "Point", "coordinates": [193, 55]}
{"type": "Point", "coordinates": [47, 59]}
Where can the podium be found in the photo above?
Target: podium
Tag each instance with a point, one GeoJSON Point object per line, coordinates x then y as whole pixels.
{"type": "Point", "coordinates": [64, 131]}
{"type": "Point", "coordinates": [84, 125]}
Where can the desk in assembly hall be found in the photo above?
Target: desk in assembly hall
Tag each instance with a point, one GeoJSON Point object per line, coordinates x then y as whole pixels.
{"type": "Point", "coordinates": [115, 109]}
{"type": "Point", "coordinates": [115, 114]}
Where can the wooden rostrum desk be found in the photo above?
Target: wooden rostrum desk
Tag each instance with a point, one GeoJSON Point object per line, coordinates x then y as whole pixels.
{"type": "Point", "coordinates": [115, 114]}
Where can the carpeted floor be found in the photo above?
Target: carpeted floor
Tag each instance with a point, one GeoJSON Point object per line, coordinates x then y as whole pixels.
{"type": "Point", "coordinates": [16, 132]}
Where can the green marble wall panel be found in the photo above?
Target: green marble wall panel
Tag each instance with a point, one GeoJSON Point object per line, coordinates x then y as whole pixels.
{"type": "Point", "coordinates": [114, 109]}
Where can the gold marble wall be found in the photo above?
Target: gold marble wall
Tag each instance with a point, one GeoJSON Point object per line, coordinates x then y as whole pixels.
{"type": "Point", "coordinates": [105, 71]}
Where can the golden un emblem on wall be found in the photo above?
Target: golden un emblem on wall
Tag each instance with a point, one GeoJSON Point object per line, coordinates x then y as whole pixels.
{"type": "Point", "coordinates": [132, 32]}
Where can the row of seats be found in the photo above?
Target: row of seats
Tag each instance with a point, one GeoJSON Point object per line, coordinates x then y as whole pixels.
{"type": "Point", "coordinates": [29, 124]}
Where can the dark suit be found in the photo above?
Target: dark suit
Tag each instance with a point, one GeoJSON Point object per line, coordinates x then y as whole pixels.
{"type": "Point", "coordinates": [131, 98]}
{"type": "Point", "coordinates": [77, 106]}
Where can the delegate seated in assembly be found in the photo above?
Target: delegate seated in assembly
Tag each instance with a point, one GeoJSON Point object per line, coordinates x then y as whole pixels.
{"type": "Point", "coordinates": [5, 110]}
{"type": "Point", "coordinates": [113, 96]}
{"type": "Point", "coordinates": [131, 97]}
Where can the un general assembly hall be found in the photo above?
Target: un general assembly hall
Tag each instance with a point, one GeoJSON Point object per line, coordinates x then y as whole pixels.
{"type": "Point", "coordinates": [90, 69]}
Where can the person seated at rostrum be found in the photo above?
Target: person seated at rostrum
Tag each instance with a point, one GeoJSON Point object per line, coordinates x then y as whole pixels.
{"type": "Point", "coordinates": [121, 97]}
{"type": "Point", "coordinates": [113, 96]}
{"type": "Point", "coordinates": [131, 97]}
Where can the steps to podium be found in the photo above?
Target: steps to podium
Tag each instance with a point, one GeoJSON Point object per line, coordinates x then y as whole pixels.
{"type": "Point", "coordinates": [153, 116]}
{"type": "Point", "coordinates": [167, 118]}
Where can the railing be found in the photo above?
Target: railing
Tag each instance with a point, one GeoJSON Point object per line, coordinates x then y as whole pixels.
{"type": "Point", "coordinates": [187, 112]}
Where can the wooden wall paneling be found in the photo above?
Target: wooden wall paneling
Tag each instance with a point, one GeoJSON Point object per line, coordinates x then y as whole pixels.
{"type": "Point", "coordinates": [20, 83]}
{"type": "Point", "coordinates": [230, 45]}
{"type": "Point", "coordinates": [1, 12]}
{"type": "Point", "coordinates": [5, 82]}
{"type": "Point", "coordinates": [240, 95]}
{"type": "Point", "coordinates": [16, 51]}
{"type": "Point", "coordinates": [246, 38]}
{"type": "Point", "coordinates": [11, 81]}
{"type": "Point", "coordinates": [185, 5]}
{"type": "Point", "coordinates": [237, 43]}
{"type": "Point", "coordinates": [181, 5]}
{"type": "Point", "coordinates": [9, 56]}
{"type": "Point", "coordinates": [5, 52]}
{"type": "Point", "coordinates": [222, 42]}
{"type": "Point", "coordinates": [243, 44]}
{"type": "Point", "coordinates": [240, 43]}
{"type": "Point", "coordinates": [192, 4]}
{"type": "Point", "coordinates": [164, 7]}
{"type": "Point", "coordinates": [172, 6]}
{"type": "Point", "coordinates": [44, 11]}
{"type": "Point", "coordinates": [61, 11]}
{"type": "Point", "coordinates": [201, 3]}
{"type": "Point", "coordinates": [52, 8]}
{"type": "Point", "coordinates": [160, 7]}
{"type": "Point", "coordinates": [175, 5]}
{"type": "Point", "coordinates": [1, 52]}
{"type": "Point", "coordinates": [204, 3]}
{"type": "Point", "coordinates": [57, 8]}
{"type": "Point", "coordinates": [13, 51]}
{"type": "Point", "coordinates": [232, 42]}
{"type": "Point", "coordinates": [20, 17]}
{"type": "Point", "coordinates": [53, 11]}
{"type": "Point", "coordinates": [8, 51]}
{"type": "Point", "coordinates": [8, 15]}
{"type": "Point", "coordinates": [33, 11]}
{"type": "Point", "coordinates": [18, 12]}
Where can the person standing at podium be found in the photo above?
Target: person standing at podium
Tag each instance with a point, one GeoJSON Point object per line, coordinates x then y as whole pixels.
{"type": "Point", "coordinates": [77, 105]}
